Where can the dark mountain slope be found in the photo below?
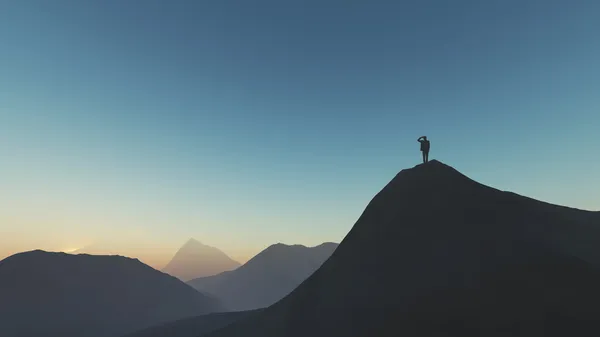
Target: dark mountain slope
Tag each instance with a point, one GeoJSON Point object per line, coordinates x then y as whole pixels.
{"type": "Point", "coordinates": [267, 277]}
{"type": "Point", "coordinates": [195, 259]}
{"type": "Point", "coordinates": [57, 294]}
{"type": "Point", "coordinates": [438, 254]}
{"type": "Point", "coordinates": [193, 326]}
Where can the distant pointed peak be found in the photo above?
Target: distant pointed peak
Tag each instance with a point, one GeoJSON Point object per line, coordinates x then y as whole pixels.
{"type": "Point", "coordinates": [194, 244]}
{"type": "Point", "coordinates": [192, 241]}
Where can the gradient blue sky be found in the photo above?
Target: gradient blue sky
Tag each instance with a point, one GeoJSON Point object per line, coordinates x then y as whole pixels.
{"type": "Point", "coordinates": [139, 124]}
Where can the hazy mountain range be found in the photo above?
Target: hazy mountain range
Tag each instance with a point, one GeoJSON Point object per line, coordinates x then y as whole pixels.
{"type": "Point", "coordinates": [433, 254]}
{"type": "Point", "coordinates": [267, 277]}
{"type": "Point", "coordinates": [57, 294]}
{"type": "Point", "coordinates": [195, 259]}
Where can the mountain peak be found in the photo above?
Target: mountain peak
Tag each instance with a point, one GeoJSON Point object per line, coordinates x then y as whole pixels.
{"type": "Point", "coordinates": [431, 169]}
{"type": "Point", "coordinates": [191, 242]}
{"type": "Point", "coordinates": [327, 244]}
{"type": "Point", "coordinates": [111, 295]}
{"type": "Point", "coordinates": [195, 259]}
{"type": "Point", "coordinates": [437, 253]}
{"type": "Point", "coordinates": [194, 241]}
{"type": "Point", "coordinates": [267, 277]}
{"type": "Point", "coordinates": [42, 255]}
{"type": "Point", "coordinates": [281, 245]}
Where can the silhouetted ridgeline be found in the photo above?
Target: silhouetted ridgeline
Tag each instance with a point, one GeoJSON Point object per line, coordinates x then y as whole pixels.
{"type": "Point", "coordinates": [267, 277]}
{"type": "Point", "coordinates": [438, 254]}
{"type": "Point", "coordinates": [58, 294]}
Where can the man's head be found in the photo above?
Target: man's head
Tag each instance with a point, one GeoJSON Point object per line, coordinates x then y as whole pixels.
{"type": "Point", "coordinates": [425, 137]}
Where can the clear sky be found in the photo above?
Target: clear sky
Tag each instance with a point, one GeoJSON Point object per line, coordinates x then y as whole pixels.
{"type": "Point", "coordinates": [140, 124]}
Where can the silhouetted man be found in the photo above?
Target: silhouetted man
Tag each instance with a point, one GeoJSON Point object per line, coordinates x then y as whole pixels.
{"type": "Point", "coordinates": [424, 148]}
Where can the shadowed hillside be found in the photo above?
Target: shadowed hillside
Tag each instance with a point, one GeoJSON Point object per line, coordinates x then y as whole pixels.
{"type": "Point", "coordinates": [58, 294]}
{"type": "Point", "coordinates": [195, 259]}
{"type": "Point", "coordinates": [267, 277]}
{"type": "Point", "coordinates": [194, 326]}
{"type": "Point", "coordinates": [438, 254]}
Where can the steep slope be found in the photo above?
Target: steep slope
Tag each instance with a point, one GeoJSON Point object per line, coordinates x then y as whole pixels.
{"type": "Point", "coordinates": [58, 294]}
{"type": "Point", "coordinates": [194, 326]}
{"type": "Point", "coordinates": [267, 277]}
{"type": "Point", "coordinates": [438, 254]}
{"type": "Point", "coordinates": [195, 259]}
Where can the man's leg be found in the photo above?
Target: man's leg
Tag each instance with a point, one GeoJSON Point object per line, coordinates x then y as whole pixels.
{"type": "Point", "coordinates": [426, 156]}
{"type": "Point", "coordinates": [424, 159]}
